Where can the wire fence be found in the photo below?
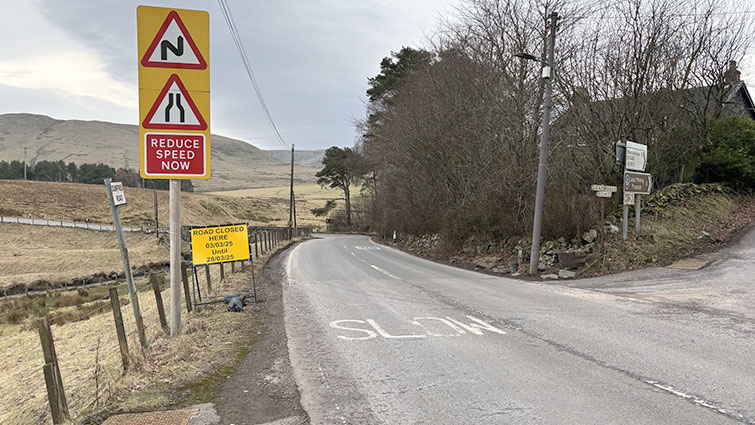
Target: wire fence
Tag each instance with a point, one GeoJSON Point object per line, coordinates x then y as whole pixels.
{"type": "Point", "coordinates": [87, 347]}
{"type": "Point", "coordinates": [88, 356]}
{"type": "Point", "coordinates": [76, 224]}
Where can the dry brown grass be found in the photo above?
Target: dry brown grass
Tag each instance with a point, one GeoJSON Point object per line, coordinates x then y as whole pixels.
{"type": "Point", "coordinates": [208, 344]}
{"type": "Point", "coordinates": [71, 201]}
{"type": "Point", "coordinates": [30, 253]}
{"type": "Point", "coordinates": [308, 196]}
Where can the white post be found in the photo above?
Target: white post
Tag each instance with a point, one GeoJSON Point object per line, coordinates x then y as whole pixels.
{"type": "Point", "coordinates": [175, 257]}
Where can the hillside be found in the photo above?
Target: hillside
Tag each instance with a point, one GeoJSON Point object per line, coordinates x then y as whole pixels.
{"type": "Point", "coordinates": [235, 164]}
{"type": "Point", "coordinates": [312, 159]}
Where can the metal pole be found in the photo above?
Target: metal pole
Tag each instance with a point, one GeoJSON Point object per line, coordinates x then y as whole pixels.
{"type": "Point", "coordinates": [126, 265]}
{"type": "Point", "coordinates": [291, 196]}
{"type": "Point", "coordinates": [637, 211]}
{"type": "Point", "coordinates": [175, 257]}
{"type": "Point", "coordinates": [625, 222]}
{"type": "Point", "coordinates": [541, 168]}
{"type": "Point", "coordinates": [157, 226]}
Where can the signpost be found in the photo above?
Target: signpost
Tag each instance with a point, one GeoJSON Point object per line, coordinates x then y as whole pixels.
{"type": "Point", "coordinates": [220, 244]}
{"type": "Point", "coordinates": [636, 156]}
{"type": "Point", "coordinates": [603, 192]}
{"type": "Point", "coordinates": [119, 198]}
{"type": "Point", "coordinates": [635, 183]}
{"type": "Point", "coordinates": [217, 245]}
{"type": "Point", "coordinates": [174, 112]}
{"type": "Point", "coordinates": [111, 196]}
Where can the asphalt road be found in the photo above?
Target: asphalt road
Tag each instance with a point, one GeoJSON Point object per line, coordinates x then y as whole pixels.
{"type": "Point", "coordinates": [379, 336]}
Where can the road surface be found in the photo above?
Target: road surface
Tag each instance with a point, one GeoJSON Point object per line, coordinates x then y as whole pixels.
{"type": "Point", "coordinates": [377, 336]}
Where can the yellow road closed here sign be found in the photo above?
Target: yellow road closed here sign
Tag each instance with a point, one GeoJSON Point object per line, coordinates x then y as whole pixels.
{"type": "Point", "coordinates": [219, 244]}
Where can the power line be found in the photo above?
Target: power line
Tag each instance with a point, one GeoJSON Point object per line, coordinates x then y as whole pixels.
{"type": "Point", "coordinates": [247, 65]}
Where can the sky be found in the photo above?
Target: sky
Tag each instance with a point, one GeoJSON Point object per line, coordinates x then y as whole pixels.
{"type": "Point", "coordinates": [77, 59]}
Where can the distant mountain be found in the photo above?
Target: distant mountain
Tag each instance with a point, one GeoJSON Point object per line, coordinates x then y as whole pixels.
{"type": "Point", "coordinates": [235, 164]}
{"type": "Point", "coordinates": [312, 159]}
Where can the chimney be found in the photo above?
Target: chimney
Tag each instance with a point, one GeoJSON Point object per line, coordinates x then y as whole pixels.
{"type": "Point", "coordinates": [731, 76]}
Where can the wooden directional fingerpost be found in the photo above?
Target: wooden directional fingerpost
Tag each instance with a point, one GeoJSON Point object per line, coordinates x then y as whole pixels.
{"type": "Point", "coordinates": [174, 113]}
{"type": "Point", "coordinates": [602, 191]}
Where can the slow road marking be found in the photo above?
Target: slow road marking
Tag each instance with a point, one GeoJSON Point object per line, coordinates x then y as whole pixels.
{"type": "Point", "coordinates": [424, 327]}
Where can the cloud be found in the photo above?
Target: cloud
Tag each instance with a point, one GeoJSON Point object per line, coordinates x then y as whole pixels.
{"type": "Point", "coordinates": [49, 59]}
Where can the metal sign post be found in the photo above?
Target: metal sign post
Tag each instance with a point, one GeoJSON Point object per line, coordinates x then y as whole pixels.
{"type": "Point", "coordinates": [124, 256]}
{"type": "Point", "coordinates": [634, 158]}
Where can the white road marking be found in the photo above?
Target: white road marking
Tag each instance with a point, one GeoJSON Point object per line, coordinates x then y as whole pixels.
{"type": "Point", "coordinates": [456, 326]}
{"type": "Point", "coordinates": [694, 399]}
{"type": "Point", "coordinates": [336, 324]}
{"type": "Point", "coordinates": [477, 328]}
{"type": "Point", "coordinates": [368, 248]}
{"type": "Point", "coordinates": [288, 264]}
{"type": "Point", "coordinates": [385, 272]}
{"type": "Point", "coordinates": [386, 335]}
{"type": "Point", "coordinates": [352, 253]}
{"type": "Point", "coordinates": [459, 331]}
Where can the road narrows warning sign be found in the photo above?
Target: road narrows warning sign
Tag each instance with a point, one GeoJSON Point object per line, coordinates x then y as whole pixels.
{"type": "Point", "coordinates": [174, 109]}
{"type": "Point", "coordinates": [173, 47]}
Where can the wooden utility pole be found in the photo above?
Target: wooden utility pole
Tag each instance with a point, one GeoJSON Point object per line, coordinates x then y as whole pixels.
{"type": "Point", "coordinates": [291, 196]}
{"type": "Point", "coordinates": [296, 228]}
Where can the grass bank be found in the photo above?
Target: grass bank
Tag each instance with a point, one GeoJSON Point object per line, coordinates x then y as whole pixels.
{"type": "Point", "coordinates": [172, 371]}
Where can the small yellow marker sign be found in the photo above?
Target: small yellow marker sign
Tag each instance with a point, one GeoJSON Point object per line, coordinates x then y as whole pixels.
{"type": "Point", "coordinates": [220, 244]}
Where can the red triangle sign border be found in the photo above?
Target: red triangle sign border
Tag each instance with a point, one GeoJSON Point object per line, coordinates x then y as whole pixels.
{"type": "Point", "coordinates": [174, 79]}
{"type": "Point", "coordinates": [173, 16]}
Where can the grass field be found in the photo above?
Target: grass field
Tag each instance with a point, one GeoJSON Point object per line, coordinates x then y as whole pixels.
{"type": "Point", "coordinates": [308, 196]}
{"type": "Point", "coordinates": [88, 351]}
{"type": "Point", "coordinates": [33, 253]}
{"type": "Point", "coordinates": [70, 201]}
{"type": "Point", "coordinates": [39, 253]}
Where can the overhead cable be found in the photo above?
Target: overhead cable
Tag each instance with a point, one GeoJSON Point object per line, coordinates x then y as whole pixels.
{"type": "Point", "coordinates": [247, 65]}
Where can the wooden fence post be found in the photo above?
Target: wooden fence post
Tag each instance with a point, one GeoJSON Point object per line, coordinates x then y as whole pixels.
{"type": "Point", "coordinates": [233, 267]}
{"type": "Point", "coordinates": [185, 279]}
{"type": "Point", "coordinates": [119, 330]}
{"type": "Point", "coordinates": [52, 394]}
{"type": "Point", "coordinates": [256, 252]}
{"type": "Point", "coordinates": [207, 273]}
{"type": "Point", "coordinates": [159, 300]}
{"type": "Point", "coordinates": [53, 380]}
{"type": "Point", "coordinates": [222, 272]}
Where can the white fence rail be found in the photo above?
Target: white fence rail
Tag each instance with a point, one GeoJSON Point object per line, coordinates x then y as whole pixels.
{"type": "Point", "coordinates": [75, 224]}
